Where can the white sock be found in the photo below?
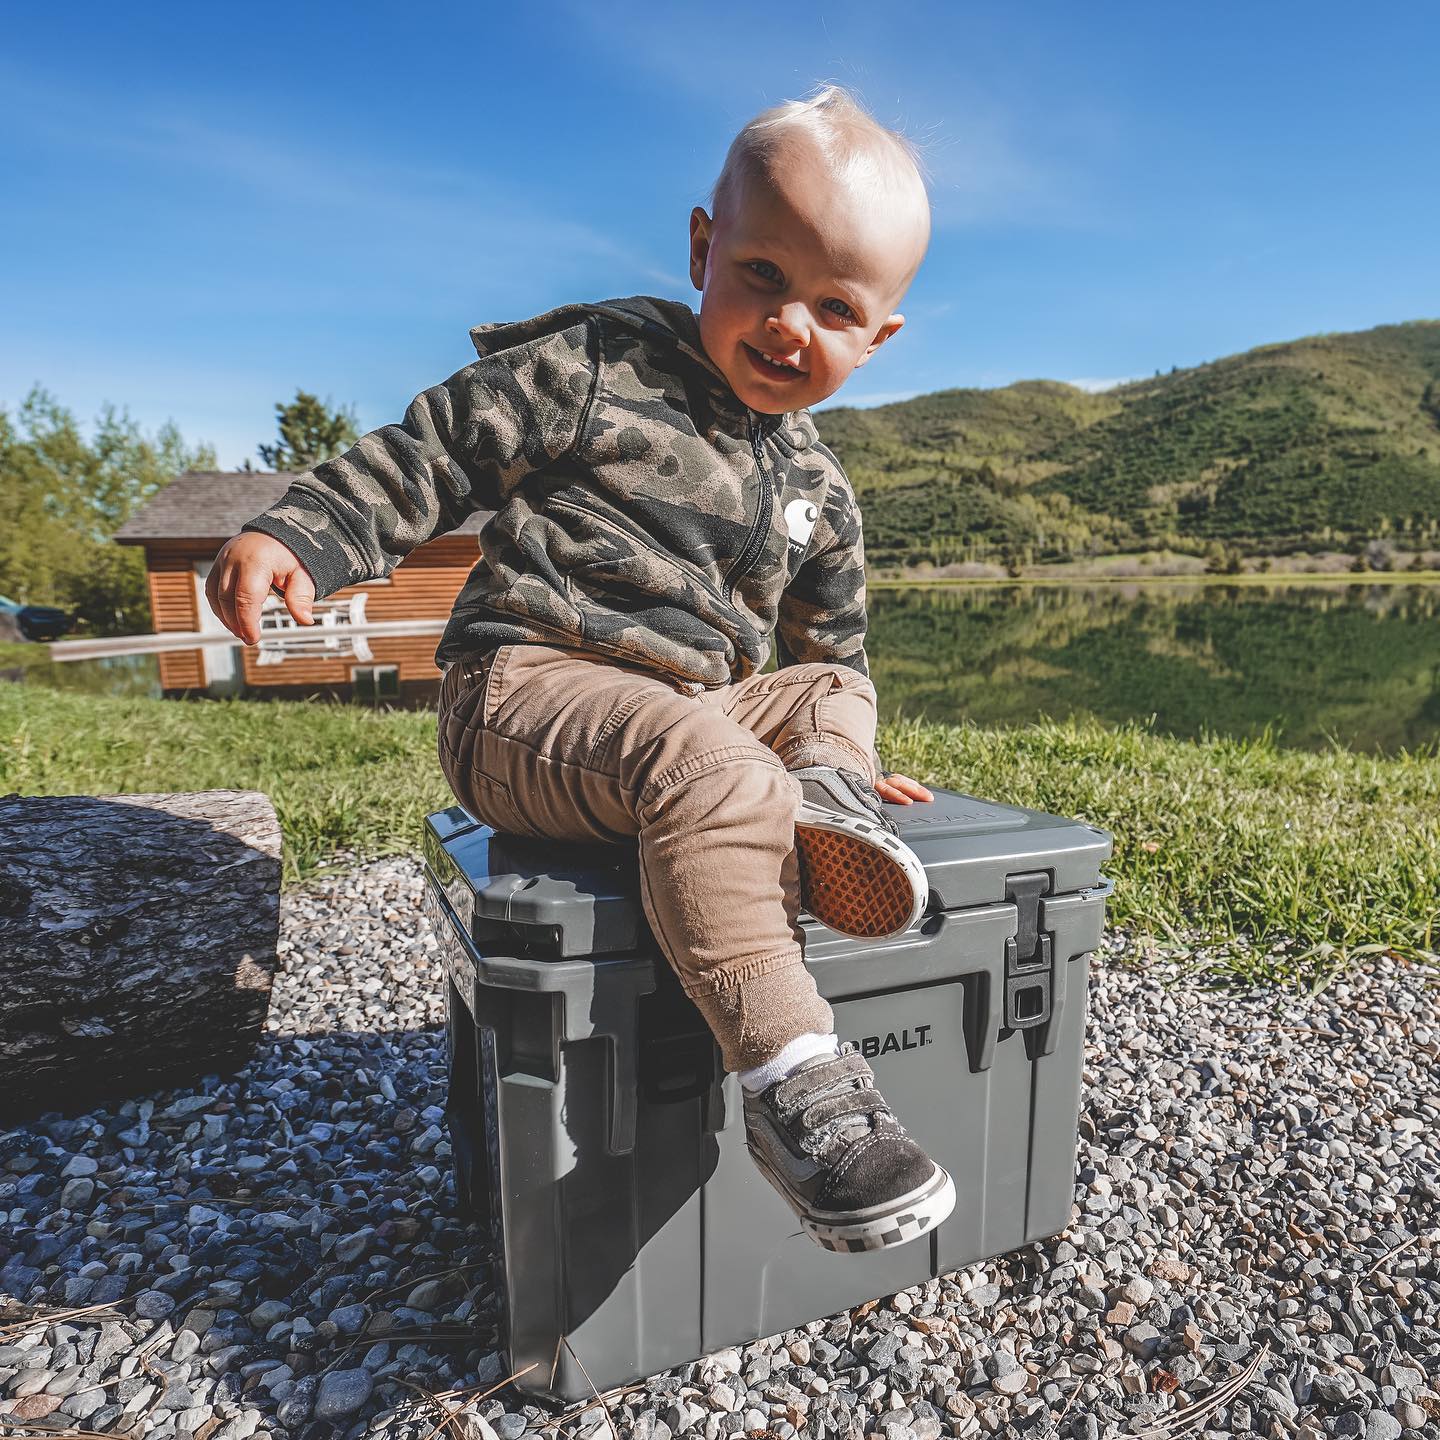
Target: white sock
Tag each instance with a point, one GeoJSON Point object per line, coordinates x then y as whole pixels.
{"type": "Point", "coordinates": [800, 1049]}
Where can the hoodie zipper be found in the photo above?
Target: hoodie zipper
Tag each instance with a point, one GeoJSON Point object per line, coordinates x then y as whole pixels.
{"type": "Point", "coordinates": [755, 542]}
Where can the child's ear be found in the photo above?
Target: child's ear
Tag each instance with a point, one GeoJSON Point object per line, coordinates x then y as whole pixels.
{"type": "Point", "coordinates": [889, 328]}
{"type": "Point", "coordinates": [700, 224]}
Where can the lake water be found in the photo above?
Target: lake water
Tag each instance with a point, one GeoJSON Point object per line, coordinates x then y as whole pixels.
{"type": "Point", "coordinates": [121, 675]}
{"type": "Point", "coordinates": [1357, 663]}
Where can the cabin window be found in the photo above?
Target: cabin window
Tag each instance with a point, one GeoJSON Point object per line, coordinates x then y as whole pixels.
{"type": "Point", "coordinates": [376, 684]}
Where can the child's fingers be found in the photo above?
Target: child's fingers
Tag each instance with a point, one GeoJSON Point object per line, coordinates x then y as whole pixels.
{"type": "Point", "coordinates": [212, 592]}
{"type": "Point", "coordinates": [220, 591]}
{"type": "Point", "coordinates": [890, 793]}
{"type": "Point", "coordinates": [252, 585]}
{"type": "Point", "coordinates": [913, 788]}
{"type": "Point", "coordinates": [901, 790]}
{"type": "Point", "coordinates": [299, 595]}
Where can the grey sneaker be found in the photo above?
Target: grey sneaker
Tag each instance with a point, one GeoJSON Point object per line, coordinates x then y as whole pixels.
{"type": "Point", "coordinates": [827, 1141]}
{"type": "Point", "coordinates": [856, 875]}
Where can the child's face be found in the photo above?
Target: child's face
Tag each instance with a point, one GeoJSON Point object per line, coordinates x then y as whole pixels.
{"type": "Point", "coordinates": [799, 268]}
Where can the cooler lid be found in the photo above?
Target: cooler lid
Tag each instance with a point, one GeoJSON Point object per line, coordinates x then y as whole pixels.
{"type": "Point", "coordinates": [970, 847]}
{"type": "Point", "coordinates": [585, 899]}
{"type": "Point", "coordinates": [570, 899]}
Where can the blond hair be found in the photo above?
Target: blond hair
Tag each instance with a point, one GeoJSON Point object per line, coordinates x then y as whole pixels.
{"type": "Point", "coordinates": [858, 149]}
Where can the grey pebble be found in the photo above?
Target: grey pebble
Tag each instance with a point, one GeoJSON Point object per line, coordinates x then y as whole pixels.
{"type": "Point", "coordinates": [349, 1319]}
{"type": "Point", "coordinates": [342, 1393]}
{"type": "Point", "coordinates": [267, 1313]}
{"type": "Point", "coordinates": [1405, 1378]}
{"type": "Point", "coordinates": [296, 1408]}
{"type": "Point", "coordinates": [175, 1396]}
{"type": "Point", "coordinates": [1001, 1362]}
{"type": "Point", "coordinates": [84, 1403]}
{"type": "Point", "coordinates": [1137, 1290]}
{"type": "Point", "coordinates": [153, 1305]}
{"type": "Point", "coordinates": [239, 1427]}
{"type": "Point", "coordinates": [1142, 1341]}
{"type": "Point", "coordinates": [1334, 1388]}
{"type": "Point", "coordinates": [77, 1194]}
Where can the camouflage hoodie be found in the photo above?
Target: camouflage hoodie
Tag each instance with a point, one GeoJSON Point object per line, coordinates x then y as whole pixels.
{"type": "Point", "coordinates": [642, 511]}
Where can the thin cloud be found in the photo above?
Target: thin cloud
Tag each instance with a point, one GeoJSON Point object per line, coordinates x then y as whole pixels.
{"type": "Point", "coordinates": [1099, 386]}
{"type": "Point", "coordinates": [496, 223]}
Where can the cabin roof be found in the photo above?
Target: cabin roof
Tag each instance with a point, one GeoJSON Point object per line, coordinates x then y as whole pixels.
{"type": "Point", "coordinates": [214, 504]}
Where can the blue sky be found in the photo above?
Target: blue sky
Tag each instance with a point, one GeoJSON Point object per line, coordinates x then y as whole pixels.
{"type": "Point", "coordinates": [208, 206]}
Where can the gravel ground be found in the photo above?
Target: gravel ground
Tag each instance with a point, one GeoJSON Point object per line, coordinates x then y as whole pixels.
{"type": "Point", "coordinates": [279, 1255]}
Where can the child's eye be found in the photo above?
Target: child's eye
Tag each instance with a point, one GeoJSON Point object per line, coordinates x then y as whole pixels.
{"type": "Point", "coordinates": [764, 269]}
{"type": "Point", "coordinates": [841, 309]}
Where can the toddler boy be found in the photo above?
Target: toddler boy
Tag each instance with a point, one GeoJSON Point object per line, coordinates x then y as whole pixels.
{"type": "Point", "coordinates": [663, 507]}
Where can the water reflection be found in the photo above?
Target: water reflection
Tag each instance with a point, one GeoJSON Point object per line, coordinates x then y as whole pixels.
{"type": "Point", "coordinates": [1357, 663]}
{"type": "Point", "coordinates": [126, 676]}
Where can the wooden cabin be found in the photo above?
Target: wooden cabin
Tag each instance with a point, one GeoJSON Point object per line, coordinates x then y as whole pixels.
{"type": "Point", "coordinates": [182, 528]}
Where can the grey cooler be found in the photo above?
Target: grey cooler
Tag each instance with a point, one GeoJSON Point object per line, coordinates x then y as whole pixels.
{"type": "Point", "coordinates": [597, 1139]}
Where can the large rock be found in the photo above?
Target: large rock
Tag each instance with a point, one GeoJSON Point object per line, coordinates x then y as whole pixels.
{"type": "Point", "coordinates": [137, 942]}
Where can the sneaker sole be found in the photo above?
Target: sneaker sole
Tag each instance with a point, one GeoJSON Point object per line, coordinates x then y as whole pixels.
{"type": "Point", "coordinates": [896, 1222]}
{"type": "Point", "coordinates": [856, 877]}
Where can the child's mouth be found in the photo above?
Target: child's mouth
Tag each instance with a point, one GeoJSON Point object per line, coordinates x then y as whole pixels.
{"type": "Point", "coordinates": [770, 369]}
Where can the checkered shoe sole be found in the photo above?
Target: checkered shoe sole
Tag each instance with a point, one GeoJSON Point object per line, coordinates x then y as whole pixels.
{"type": "Point", "coordinates": [894, 1223]}
{"type": "Point", "coordinates": [855, 876]}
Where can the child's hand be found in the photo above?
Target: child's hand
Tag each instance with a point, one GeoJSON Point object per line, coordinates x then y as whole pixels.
{"type": "Point", "coordinates": [901, 789]}
{"type": "Point", "coordinates": [242, 576]}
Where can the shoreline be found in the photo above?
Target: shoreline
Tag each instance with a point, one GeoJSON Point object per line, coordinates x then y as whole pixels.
{"type": "Point", "coordinates": [1277, 578]}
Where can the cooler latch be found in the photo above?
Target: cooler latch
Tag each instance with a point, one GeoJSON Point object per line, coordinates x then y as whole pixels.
{"type": "Point", "coordinates": [1028, 953]}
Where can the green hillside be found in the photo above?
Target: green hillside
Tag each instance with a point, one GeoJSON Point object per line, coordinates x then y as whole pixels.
{"type": "Point", "coordinates": [1327, 442]}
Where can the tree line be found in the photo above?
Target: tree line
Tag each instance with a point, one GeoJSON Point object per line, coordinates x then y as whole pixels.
{"type": "Point", "coordinates": [63, 496]}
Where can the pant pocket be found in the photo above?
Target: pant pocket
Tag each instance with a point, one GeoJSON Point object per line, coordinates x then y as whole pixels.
{"type": "Point", "coordinates": [461, 706]}
{"type": "Point", "coordinates": [490, 801]}
{"type": "Point", "coordinates": [464, 701]}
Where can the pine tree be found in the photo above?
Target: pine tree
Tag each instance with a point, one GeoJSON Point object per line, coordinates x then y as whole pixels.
{"type": "Point", "coordinates": [309, 433]}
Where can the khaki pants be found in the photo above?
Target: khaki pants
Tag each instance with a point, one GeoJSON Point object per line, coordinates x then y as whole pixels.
{"type": "Point", "coordinates": [562, 744]}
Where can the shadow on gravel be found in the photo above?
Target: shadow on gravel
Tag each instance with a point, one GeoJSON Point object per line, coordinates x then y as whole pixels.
{"type": "Point", "coordinates": [284, 1242]}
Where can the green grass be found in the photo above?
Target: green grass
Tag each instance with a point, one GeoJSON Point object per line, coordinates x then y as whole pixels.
{"type": "Point", "coordinates": [1219, 838]}
{"type": "Point", "coordinates": [341, 777]}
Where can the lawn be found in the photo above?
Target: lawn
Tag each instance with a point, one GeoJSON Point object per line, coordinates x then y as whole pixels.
{"type": "Point", "coordinates": [1336, 852]}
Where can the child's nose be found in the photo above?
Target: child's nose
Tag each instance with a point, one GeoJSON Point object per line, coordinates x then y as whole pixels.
{"type": "Point", "coordinates": [790, 323]}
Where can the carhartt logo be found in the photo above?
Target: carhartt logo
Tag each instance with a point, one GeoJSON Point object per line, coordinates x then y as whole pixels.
{"type": "Point", "coordinates": [872, 1045]}
{"type": "Point", "coordinates": [800, 517]}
